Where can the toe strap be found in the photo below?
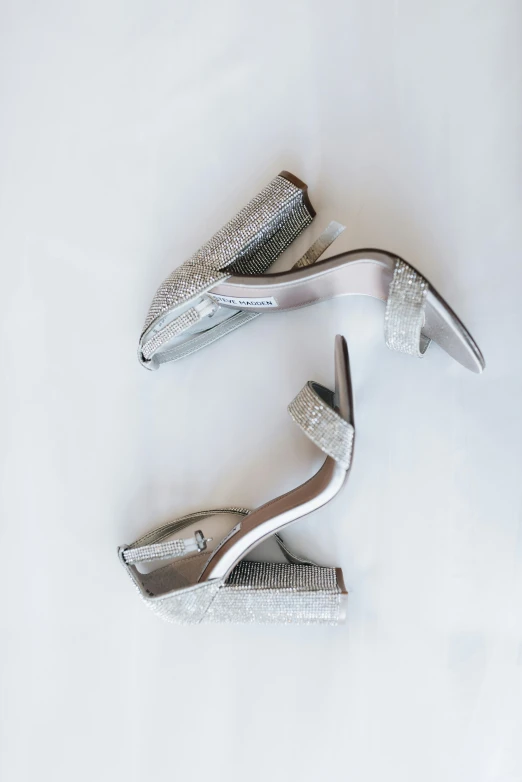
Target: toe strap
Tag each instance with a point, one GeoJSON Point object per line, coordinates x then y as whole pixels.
{"type": "Point", "coordinates": [404, 316]}
{"type": "Point", "coordinates": [312, 410]}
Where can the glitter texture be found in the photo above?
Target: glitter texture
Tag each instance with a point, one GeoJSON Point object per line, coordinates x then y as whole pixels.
{"type": "Point", "coordinates": [255, 592]}
{"type": "Point", "coordinates": [198, 341]}
{"type": "Point", "coordinates": [249, 243]}
{"type": "Point", "coordinates": [172, 548]}
{"type": "Point", "coordinates": [404, 316]}
{"type": "Point", "coordinates": [331, 433]}
{"type": "Point", "coordinates": [185, 606]}
{"type": "Point", "coordinates": [296, 592]}
{"type": "Point", "coordinates": [270, 593]}
{"type": "Point", "coordinates": [177, 326]}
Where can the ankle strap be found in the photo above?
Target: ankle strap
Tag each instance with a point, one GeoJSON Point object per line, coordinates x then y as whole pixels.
{"type": "Point", "coordinates": [143, 550]}
{"type": "Point", "coordinates": [168, 550]}
{"type": "Point", "coordinates": [151, 546]}
{"type": "Point", "coordinates": [313, 411]}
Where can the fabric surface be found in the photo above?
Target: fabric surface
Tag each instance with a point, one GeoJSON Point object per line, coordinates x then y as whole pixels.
{"type": "Point", "coordinates": [131, 132]}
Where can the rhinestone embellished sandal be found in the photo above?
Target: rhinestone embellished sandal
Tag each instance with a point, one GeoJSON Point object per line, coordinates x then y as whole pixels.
{"type": "Point", "coordinates": [225, 285]}
{"type": "Point", "coordinates": [208, 578]}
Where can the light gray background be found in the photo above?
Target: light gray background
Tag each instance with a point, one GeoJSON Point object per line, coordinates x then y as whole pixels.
{"type": "Point", "coordinates": [131, 131]}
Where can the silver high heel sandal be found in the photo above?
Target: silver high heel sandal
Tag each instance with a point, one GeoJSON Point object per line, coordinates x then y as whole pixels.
{"type": "Point", "coordinates": [209, 579]}
{"type": "Point", "coordinates": [224, 285]}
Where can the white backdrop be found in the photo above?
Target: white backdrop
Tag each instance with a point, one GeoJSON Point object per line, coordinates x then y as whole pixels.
{"type": "Point", "coordinates": [131, 131]}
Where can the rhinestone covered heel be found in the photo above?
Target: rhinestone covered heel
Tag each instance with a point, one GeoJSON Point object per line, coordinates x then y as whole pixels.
{"type": "Point", "coordinates": [206, 577]}
{"type": "Point", "coordinates": [249, 243]}
{"type": "Point", "coordinates": [226, 284]}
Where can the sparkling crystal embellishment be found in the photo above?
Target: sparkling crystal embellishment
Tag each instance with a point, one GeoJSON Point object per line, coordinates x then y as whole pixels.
{"type": "Point", "coordinates": [405, 311]}
{"type": "Point", "coordinates": [331, 433]}
{"type": "Point", "coordinates": [255, 592]}
{"type": "Point", "coordinates": [172, 548]}
{"type": "Point", "coordinates": [248, 243]}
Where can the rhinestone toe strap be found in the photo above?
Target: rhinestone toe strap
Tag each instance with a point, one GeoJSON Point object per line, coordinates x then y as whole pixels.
{"type": "Point", "coordinates": [319, 421]}
{"type": "Point", "coordinates": [404, 316]}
